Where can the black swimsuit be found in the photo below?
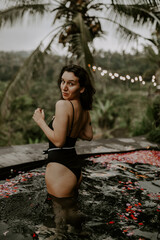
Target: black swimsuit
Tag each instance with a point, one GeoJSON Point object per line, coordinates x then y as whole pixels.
{"type": "Point", "coordinates": [66, 155]}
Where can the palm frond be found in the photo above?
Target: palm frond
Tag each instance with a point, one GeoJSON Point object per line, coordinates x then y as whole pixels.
{"type": "Point", "coordinates": [129, 35]}
{"type": "Point", "coordinates": [62, 11]}
{"type": "Point", "coordinates": [48, 47]}
{"type": "Point", "coordinates": [97, 6]}
{"type": "Point", "coordinates": [133, 13]}
{"type": "Point", "coordinates": [15, 13]}
{"type": "Point", "coordinates": [26, 76]}
{"type": "Point", "coordinates": [125, 33]}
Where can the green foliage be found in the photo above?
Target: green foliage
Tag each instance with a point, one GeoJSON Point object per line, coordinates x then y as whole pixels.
{"type": "Point", "coordinates": [132, 64]}
{"type": "Point", "coordinates": [21, 83]}
{"type": "Point", "coordinates": [119, 108]}
{"type": "Point", "coordinates": [150, 123]}
{"type": "Point", "coordinates": [104, 113]}
{"type": "Point", "coordinates": [119, 112]}
{"type": "Point", "coordinates": [154, 135]}
{"type": "Point", "coordinates": [156, 111]}
{"type": "Point", "coordinates": [3, 86]}
{"type": "Point", "coordinates": [10, 63]}
{"type": "Point", "coordinates": [20, 128]}
{"type": "Point", "coordinates": [21, 103]}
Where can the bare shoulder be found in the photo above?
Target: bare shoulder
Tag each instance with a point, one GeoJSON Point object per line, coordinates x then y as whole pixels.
{"type": "Point", "coordinates": [63, 105]}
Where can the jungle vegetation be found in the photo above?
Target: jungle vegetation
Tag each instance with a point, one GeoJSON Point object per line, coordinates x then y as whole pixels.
{"type": "Point", "coordinates": [121, 108]}
{"type": "Point", "coordinates": [79, 22]}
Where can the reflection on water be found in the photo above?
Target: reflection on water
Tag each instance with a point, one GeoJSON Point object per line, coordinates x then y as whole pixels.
{"type": "Point", "coordinates": [67, 217]}
{"type": "Point", "coordinates": [117, 200]}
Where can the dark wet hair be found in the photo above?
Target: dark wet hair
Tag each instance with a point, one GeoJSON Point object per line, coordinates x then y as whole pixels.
{"type": "Point", "coordinates": [86, 98]}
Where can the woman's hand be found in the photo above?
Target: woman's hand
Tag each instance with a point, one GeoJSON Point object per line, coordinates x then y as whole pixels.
{"type": "Point", "coordinates": [38, 116]}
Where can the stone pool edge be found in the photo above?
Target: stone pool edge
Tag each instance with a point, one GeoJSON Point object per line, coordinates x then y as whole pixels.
{"type": "Point", "coordinates": [32, 153]}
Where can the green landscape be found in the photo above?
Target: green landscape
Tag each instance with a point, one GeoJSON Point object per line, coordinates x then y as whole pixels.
{"type": "Point", "coordinates": [127, 99]}
{"type": "Point", "coordinates": [121, 108]}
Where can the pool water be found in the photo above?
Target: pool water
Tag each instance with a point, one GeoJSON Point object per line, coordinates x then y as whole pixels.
{"type": "Point", "coordinates": [119, 198]}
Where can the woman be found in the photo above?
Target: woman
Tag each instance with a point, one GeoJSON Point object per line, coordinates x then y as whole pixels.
{"type": "Point", "coordinates": [71, 121]}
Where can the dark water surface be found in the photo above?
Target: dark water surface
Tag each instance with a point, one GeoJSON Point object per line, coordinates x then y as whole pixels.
{"type": "Point", "coordinates": [117, 200]}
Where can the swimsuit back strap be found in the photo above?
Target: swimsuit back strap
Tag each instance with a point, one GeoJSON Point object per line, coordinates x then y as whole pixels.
{"type": "Point", "coordinates": [72, 119]}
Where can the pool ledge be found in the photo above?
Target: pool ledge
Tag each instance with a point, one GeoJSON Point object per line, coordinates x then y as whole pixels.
{"type": "Point", "coordinates": [30, 153]}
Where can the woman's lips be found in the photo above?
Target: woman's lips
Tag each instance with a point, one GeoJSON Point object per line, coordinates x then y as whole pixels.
{"type": "Point", "coordinates": [64, 94]}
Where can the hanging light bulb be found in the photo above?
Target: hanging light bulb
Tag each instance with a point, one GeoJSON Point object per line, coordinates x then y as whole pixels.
{"type": "Point", "coordinates": [127, 77]}
{"type": "Point", "coordinates": [116, 74]}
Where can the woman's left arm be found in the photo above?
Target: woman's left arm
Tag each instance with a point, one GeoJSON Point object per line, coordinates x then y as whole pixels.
{"type": "Point", "coordinates": [58, 135]}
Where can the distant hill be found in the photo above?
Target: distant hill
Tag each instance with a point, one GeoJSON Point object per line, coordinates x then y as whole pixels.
{"type": "Point", "coordinates": [10, 62]}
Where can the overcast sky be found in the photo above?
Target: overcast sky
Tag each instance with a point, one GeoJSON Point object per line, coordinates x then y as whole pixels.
{"type": "Point", "coordinates": [27, 36]}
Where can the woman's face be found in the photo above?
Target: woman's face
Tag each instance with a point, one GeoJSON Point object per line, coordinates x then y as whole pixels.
{"type": "Point", "coordinates": [70, 87]}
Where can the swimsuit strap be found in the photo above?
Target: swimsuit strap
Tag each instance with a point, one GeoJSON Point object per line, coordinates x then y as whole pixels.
{"type": "Point", "coordinates": [72, 119]}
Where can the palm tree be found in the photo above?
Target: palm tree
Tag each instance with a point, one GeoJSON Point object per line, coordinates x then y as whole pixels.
{"type": "Point", "coordinates": [77, 32]}
{"type": "Point", "coordinates": [79, 24]}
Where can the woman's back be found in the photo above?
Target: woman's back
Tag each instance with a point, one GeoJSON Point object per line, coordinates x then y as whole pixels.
{"type": "Point", "coordinates": [77, 118]}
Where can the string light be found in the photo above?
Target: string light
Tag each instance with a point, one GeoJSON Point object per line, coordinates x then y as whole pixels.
{"type": "Point", "coordinates": [122, 78]}
{"type": "Point", "coordinates": [116, 74]}
{"type": "Point", "coordinates": [140, 78]}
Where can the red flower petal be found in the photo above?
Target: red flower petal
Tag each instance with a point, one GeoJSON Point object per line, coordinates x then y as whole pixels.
{"type": "Point", "coordinates": [140, 223]}
{"type": "Point", "coordinates": [111, 222]}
